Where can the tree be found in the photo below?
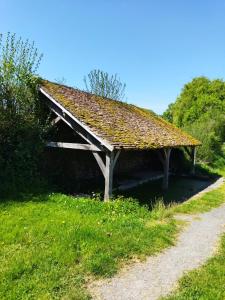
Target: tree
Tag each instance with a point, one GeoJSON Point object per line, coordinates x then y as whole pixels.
{"type": "Point", "coordinates": [200, 110]}
{"type": "Point", "coordinates": [61, 80]}
{"type": "Point", "coordinates": [102, 84]}
{"type": "Point", "coordinates": [21, 128]}
{"type": "Point", "coordinates": [19, 62]}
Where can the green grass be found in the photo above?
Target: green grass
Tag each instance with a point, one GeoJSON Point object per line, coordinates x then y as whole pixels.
{"type": "Point", "coordinates": [176, 197]}
{"type": "Point", "coordinates": [217, 169]}
{"type": "Point", "coordinates": [206, 283]}
{"type": "Point", "coordinates": [180, 189]}
{"type": "Point", "coordinates": [202, 204]}
{"type": "Point", "coordinates": [50, 245]}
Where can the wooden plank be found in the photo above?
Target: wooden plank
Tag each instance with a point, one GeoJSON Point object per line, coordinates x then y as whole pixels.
{"type": "Point", "coordinates": [108, 176]}
{"type": "Point", "coordinates": [100, 162]}
{"type": "Point", "coordinates": [75, 146]}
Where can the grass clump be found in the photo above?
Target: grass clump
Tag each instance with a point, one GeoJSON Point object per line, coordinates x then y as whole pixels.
{"type": "Point", "coordinates": [49, 245]}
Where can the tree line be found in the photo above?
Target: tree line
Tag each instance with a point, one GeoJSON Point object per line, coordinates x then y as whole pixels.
{"type": "Point", "coordinates": [200, 111]}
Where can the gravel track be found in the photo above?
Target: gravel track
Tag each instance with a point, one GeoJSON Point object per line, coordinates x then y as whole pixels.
{"type": "Point", "coordinates": [158, 275]}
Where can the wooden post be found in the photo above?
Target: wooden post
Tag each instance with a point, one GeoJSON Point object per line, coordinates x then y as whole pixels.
{"type": "Point", "coordinates": [107, 170]}
{"type": "Point", "coordinates": [166, 165]}
{"type": "Point", "coordinates": [108, 175]}
{"type": "Point", "coordinates": [193, 158]}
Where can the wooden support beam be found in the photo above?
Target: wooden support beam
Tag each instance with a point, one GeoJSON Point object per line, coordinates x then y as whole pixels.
{"type": "Point", "coordinates": [161, 157]}
{"type": "Point", "coordinates": [166, 166]}
{"type": "Point", "coordinates": [191, 151]}
{"type": "Point", "coordinates": [108, 176]}
{"type": "Point", "coordinates": [75, 124]}
{"type": "Point", "coordinates": [116, 158]}
{"type": "Point", "coordinates": [75, 146]}
{"type": "Point", "coordinates": [187, 150]}
{"type": "Point", "coordinates": [107, 170]}
{"type": "Point", "coordinates": [165, 160]}
{"type": "Point", "coordinates": [55, 121]}
{"type": "Point", "coordinates": [100, 162]}
{"type": "Point", "coordinates": [76, 129]}
{"type": "Point", "coordinates": [193, 158]}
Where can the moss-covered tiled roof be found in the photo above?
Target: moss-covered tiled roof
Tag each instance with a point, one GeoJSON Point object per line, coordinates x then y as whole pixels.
{"type": "Point", "coordinates": [120, 124]}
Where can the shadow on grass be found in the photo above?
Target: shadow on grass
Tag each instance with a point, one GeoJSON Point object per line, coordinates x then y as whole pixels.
{"type": "Point", "coordinates": [180, 189]}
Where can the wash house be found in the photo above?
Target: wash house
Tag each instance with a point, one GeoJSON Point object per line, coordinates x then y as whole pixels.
{"type": "Point", "coordinates": [114, 135]}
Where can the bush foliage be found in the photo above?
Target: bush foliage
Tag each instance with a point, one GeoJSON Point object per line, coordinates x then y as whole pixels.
{"type": "Point", "coordinates": [21, 129]}
{"type": "Point", "coordinates": [200, 110]}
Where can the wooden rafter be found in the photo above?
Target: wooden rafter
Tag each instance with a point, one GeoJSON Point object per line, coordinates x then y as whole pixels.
{"type": "Point", "coordinates": [75, 124]}
{"type": "Point", "coordinates": [81, 132]}
{"type": "Point", "coordinates": [75, 146]}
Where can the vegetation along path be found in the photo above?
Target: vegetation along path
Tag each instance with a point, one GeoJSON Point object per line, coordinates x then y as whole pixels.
{"type": "Point", "coordinates": [158, 275]}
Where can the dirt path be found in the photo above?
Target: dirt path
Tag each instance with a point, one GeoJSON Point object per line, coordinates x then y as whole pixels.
{"type": "Point", "coordinates": [158, 275]}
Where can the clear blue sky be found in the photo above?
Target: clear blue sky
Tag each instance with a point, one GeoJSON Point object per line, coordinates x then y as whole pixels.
{"type": "Point", "coordinates": [155, 46]}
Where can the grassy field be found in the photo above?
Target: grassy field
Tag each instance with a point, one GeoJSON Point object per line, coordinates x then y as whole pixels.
{"type": "Point", "coordinates": [51, 244]}
{"type": "Point", "coordinates": [207, 282]}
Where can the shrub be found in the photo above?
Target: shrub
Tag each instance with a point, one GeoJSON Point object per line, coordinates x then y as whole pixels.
{"type": "Point", "coordinates": [21, 127]}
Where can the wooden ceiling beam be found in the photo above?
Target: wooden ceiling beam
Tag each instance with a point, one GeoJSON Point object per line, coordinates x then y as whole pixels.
{"type": "Point", "coordinates": [75, 146]}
